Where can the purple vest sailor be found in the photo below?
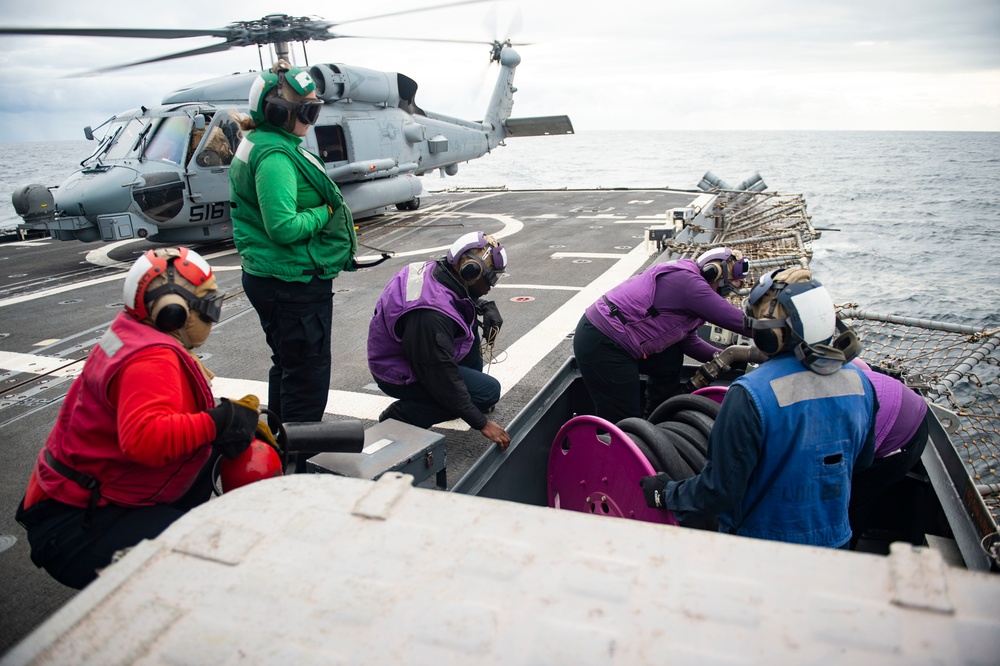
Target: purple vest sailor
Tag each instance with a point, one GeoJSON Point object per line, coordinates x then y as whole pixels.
{"type": "Point", "coordinates": [412, 288]}
{"type": "Point", "coordinates": [641, 322]}
{"type": "Point", "coordinates": [901, 410]}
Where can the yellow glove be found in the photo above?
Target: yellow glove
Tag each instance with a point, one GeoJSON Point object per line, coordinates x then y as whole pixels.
{"type": "Point", "coordinates": [264, 434]}
{"type": "Point", "coordinates": [250, 402]}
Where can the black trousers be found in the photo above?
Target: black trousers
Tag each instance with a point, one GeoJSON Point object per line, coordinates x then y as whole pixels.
{"type": "Point", "coordinates": [415, 404]}
{"type": "Point", "coordinates": [73, 553]}
{"type": "Point", "coordinates": [296, 318]}
{"type": "Point", "coordinates": [870, 486]}
{"type": "Point", "coordinates": [612, 375]}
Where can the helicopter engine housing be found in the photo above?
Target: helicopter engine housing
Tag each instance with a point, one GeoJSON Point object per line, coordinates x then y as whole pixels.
{"type": "Point", "coordinates": [335, 82]}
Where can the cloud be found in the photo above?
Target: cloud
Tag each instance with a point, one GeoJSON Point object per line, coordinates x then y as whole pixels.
{"type": "Point", "coordinates": [839, 64]}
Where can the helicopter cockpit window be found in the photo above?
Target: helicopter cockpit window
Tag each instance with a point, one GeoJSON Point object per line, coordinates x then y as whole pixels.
{"type": "Point", "coordinates": [330, 139]}
{"type": "Point", "coordinates": [220, 146]}
{"type": "Point", "coordinates": [160, 195]}
{"type": "Point", "coordinates": [169, 142]}
{"type": "Point", "coordinates": [125, 139]}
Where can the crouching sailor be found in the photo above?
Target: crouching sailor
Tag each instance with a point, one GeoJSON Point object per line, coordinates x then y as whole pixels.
{"type": "Point", "coordinates": [790, 434]}
{"type": "Point", "coordinates": [134, 443]}
{"type": "Point", "coordinates": [424, 343]}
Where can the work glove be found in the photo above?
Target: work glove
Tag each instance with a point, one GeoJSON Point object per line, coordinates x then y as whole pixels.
{"type": "Point", "coordinates": [492, 321]}
{"type": "Point", "coordinates": [236, 422]}
{"type": "Point", "coordinates": [264, 434]}
{"type": "Point", "coordinates": [653, 489]}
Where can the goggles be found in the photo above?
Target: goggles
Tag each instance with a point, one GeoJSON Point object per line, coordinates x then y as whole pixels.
{"type": "Point", "coordinates": [741, 268]}
{"type": "Point", "coordinates": [307, 112]}
{"type": "Point", "coordinates": [498, 255]}
{"type": "Point", "coordinates": [209, 306]}
{"type": "Point", "coordinates": [821, 359]}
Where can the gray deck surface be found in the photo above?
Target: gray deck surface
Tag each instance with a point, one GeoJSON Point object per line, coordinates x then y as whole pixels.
{"type": "Point", "coordinates": [56, 299]}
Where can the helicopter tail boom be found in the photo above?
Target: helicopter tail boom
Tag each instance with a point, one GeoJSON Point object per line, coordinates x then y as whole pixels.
{"type": "Point", "coordinates": [502, 100]}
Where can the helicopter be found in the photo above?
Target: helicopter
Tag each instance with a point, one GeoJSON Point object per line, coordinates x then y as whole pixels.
{"type": "Point", "coordinates": [162, 172]}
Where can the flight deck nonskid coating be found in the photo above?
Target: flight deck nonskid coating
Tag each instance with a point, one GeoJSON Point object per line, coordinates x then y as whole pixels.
{"type": "Point", "coordinates": [487, 569]}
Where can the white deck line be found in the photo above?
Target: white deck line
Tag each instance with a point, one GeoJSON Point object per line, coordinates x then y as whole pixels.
{"type": "Point", "coordinates": [522, 355]}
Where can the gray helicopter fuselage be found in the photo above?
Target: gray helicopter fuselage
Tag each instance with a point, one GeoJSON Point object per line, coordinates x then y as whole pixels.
{"type": "Point", "coordinates": [162, 172]}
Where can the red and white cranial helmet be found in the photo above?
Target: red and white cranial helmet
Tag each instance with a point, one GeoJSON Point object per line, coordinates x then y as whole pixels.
{"type": "Point", "coordinates": [182, 270]}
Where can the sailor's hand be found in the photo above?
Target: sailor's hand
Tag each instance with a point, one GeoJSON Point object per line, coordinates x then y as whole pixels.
{"type": "Point", "coordinates": [235, 424]}
{"type": "Point", "coordinates": [492, 321]}
{"type": "Point", "coordinates": [495, 433]}
{"type": "Point", "coordinates": [653, 489]}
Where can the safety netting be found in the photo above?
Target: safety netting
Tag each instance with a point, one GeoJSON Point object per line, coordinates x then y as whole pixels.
{"type": "Point", "coordinates": [955, 366]}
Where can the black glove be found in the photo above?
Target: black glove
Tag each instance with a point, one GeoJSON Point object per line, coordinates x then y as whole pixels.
{"type": "Point", "coordinates": [492, 321]}
{"type": "Point", "coordinates": [653, 488]}
{"type": "Point", "coordinates": [235, 425]}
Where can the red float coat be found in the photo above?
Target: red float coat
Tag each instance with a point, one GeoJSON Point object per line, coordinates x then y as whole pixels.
{"type": "Point", "coordinates": [135, 420]}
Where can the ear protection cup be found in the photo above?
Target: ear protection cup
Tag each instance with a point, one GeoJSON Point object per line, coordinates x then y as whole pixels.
{"type": "Point", "coordinates": [769, 340]}
{"type": "Point", "coordinates": [275, 115]}
{"type": "Point", "coordinates": [169, 312]}
{"type": "Point", "coordinates": [712, 271]}
{"type": "Point", "coordinates": [472, 268]}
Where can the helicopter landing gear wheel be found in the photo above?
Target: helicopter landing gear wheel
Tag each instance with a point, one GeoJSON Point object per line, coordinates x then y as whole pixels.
{"type": "Point", "coordinates": [594, 467]}
{"type": "Point", "coordinates": [412, 204]}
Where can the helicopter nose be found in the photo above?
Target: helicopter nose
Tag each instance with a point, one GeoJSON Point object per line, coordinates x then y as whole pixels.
{"type": "Point", "coordinates": [92, 193]}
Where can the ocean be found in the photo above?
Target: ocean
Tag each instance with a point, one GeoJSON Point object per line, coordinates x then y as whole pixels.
{"type": "Point", "coordinates": [910, 219]}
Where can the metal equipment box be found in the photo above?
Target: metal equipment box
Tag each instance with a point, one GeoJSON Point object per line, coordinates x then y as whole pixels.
{"type": "Point", "coordinates": [390, 446]}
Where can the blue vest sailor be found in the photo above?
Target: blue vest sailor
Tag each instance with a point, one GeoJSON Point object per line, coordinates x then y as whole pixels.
{"type": "Point", "coordinates": [791, 433]}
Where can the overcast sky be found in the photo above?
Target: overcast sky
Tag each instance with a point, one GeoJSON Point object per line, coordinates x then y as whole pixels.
{"type": "Point", "coordinates": [632, 64]}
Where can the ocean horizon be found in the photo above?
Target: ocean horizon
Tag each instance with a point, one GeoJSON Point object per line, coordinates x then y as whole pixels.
{"type": "Point", "coordinates": [909, 218]}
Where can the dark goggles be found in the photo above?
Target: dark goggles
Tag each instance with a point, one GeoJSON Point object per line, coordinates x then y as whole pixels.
{"type": "Point", "coordinates": [741, 268]}
{"type": "Point", "coordinates": [209, 306]}
{"type": "Point", "coordinates": [498, 255]}
{"type": "Point", "coordinates": [307, 112]}
{"type": "Point", "coordinates": [821, 359]}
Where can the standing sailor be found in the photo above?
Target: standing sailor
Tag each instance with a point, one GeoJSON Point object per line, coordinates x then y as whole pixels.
{"type": "Point", "coordinates": [294, 234]}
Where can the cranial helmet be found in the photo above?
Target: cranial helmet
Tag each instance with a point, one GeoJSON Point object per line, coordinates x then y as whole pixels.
{"type": "Point", "coordinates": [278, 97]}
{"type": "Point", "coordinates": [258, 462]}
{"type": "Point", "coordinates": [162, 284]}
{"type": "Point", "coordinates": [720, 265]}
{"type": "Point", "coordinates": [788, 309]}
{"type": "Point", "coordinates": [476, 255]}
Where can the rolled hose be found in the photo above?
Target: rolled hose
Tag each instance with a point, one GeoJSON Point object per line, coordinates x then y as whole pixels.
{"type": "Point", "coordinates": [675, 441]}
{"type": "Point", "coordinates": [671, 406]}
{"type": "Point", "coordinates": [666, 457]}
{"type": "Point", "coordinates": [675, 438]}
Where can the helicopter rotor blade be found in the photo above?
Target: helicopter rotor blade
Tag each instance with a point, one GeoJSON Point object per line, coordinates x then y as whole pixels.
{"type": "Point", "coordinates": [215, 48]}
{"type": "Point", "coordinates": [140, 33]}
{"type": "Point", "coordinates": [410, 11]}
{"type": "Point", "coordinates": [271, 29]}
{"type": "Point", "coordinates": [430, 39]}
